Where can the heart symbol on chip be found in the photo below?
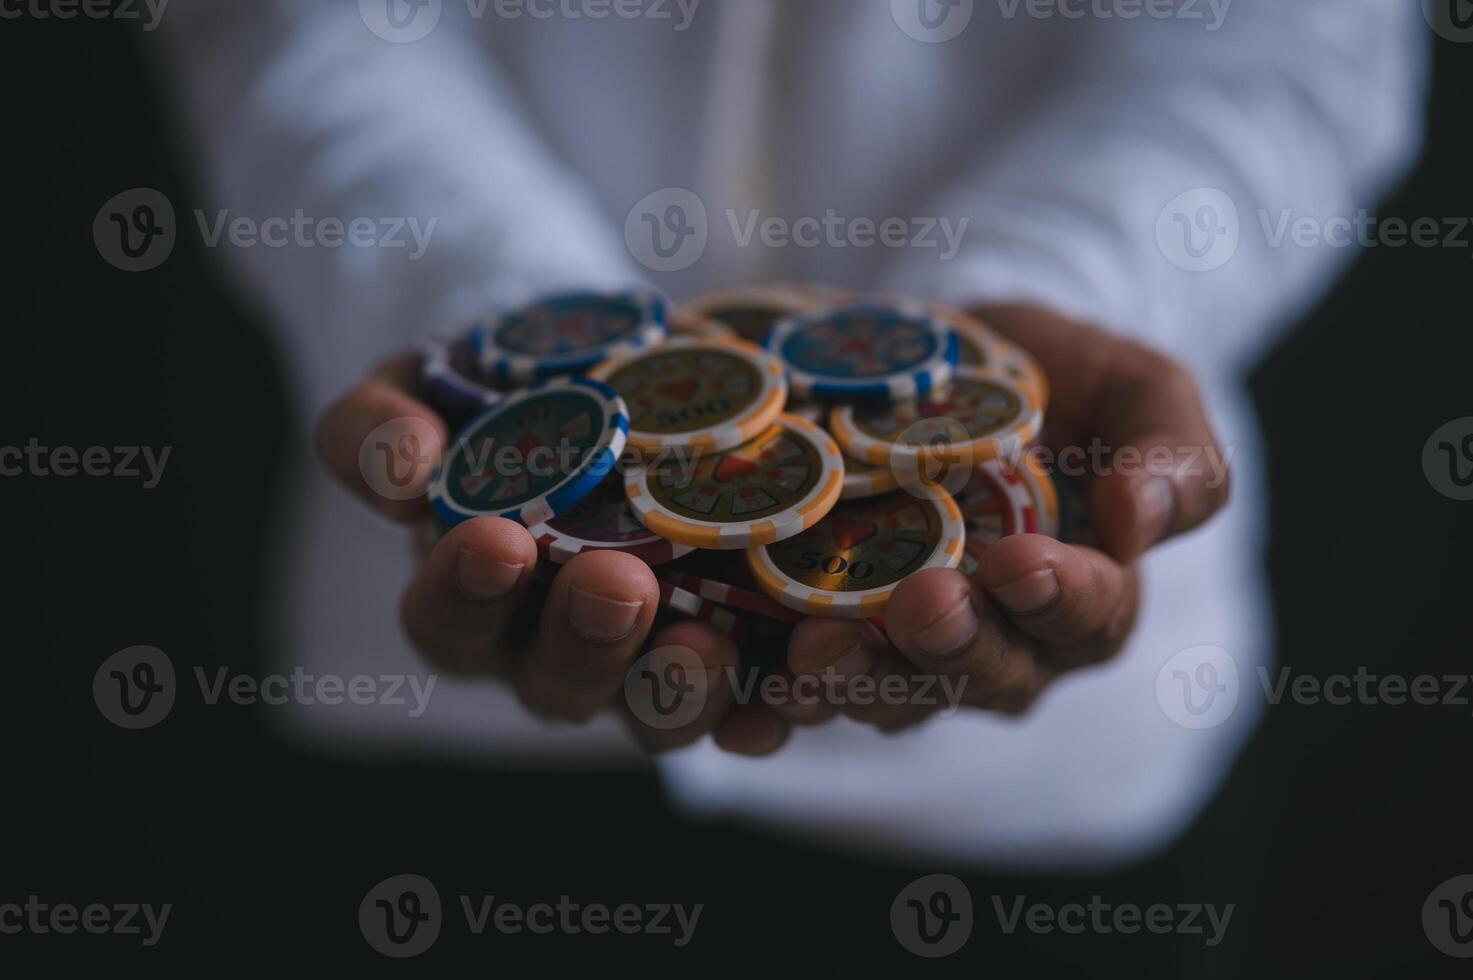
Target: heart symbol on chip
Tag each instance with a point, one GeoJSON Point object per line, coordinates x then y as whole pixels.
{"type": "Point", "coordinates": [847, 534]}
{"type": "Point", "coordinates": [679, 391]}
{"type": "Point", "coordinates": [735, 468]}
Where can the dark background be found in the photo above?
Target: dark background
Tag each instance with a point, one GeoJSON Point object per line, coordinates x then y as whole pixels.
{"type": "Point", "coordinates": [1336, 824]}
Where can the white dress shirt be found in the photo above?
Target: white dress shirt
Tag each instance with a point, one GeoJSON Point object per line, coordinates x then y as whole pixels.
{"type": "Point", "coordinates": [531, 141]}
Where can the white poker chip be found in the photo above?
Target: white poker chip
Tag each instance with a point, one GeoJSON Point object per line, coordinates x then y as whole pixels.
{"type": "Point", "coordinates": [699, 394]}
{"type": "Point", "coordinates": [870, 350]}
{"type": "Point", "coordinates": [979, 416]}
{"type": "Point", "coordinates": [568, 332]}
{"type": "Point", "coordinates": [769, 488]}
{"type": "Point", "coordinates": [533, 456]}
{"type": "Point", "coordinates": [848, 564]}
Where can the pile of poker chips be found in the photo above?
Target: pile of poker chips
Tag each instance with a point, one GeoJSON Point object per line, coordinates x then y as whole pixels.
{"type": "Point", "coordinates": [772, 452]}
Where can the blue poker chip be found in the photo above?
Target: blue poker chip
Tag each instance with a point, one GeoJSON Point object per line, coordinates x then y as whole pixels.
{"type": "Point", "coordinates": [533, 456]}
{"type": "Point", "coordinates": [450, 371]}
{"type": "Point", "coordinates": [566, 333]}
{"type": "Point", "coordinates": [865, 351]}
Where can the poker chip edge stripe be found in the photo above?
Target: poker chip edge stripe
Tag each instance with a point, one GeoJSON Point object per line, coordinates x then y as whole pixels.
{"type": "Point", "coordinates": [575, 488]}
{"type": "Point", "coordinates": [859, 604]}
{"type": "Point", "coordinates": [714, 536]}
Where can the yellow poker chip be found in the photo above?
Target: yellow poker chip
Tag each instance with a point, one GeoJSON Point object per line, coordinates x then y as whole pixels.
{"type": "Point", "coordinates": [863, 480]}
{"type": "Point", "coordinates": [689, 323]}
{"type": "Point", "coordinates": [752, 312]}
{"type": "Point", "coordinates": [847, 565]}
{"type": "Point", "coordinates": [700, 394]}
{"type": "Point", "coordinates": [984, 348]}
{"type": "Point", "coordinates": [773, 487]}
{"type": "Point", "coordinates": [978, 416]}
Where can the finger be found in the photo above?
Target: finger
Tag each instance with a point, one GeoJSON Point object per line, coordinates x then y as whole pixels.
{"type": "Point", "coordinates": [752, 729]}
{"type": "Point", "coordinates": [594, 623]}
{"type": "Point", "coordinates": [943, 625]}
{"type": "Point", "coordinates": [823, 656]}
{"type": "Point", "coordinates": [1079, 602]}
{"type": "Point", "coordinates": [458, 605]}
{"type": "Point", "coordinates": [718, 657]}
{"type": "Point", "coordinates": [1167, 473]}
{"type": "Point", "coordinates": [382, 443]}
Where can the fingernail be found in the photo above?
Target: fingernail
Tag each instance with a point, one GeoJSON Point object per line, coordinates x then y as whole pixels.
{"type": "Point", "coordinates": [601, 618]}
{"type": "Point", "coordinates": [855, 663]}
{"type": "Point", "coordinates": [949, 633]}
{"type": "Point", "coordinates": [483, 577]}
{"type": "Point", "coordinates": [1030, 593]}
{"type": "Point", "coordinates": [1154, 501]}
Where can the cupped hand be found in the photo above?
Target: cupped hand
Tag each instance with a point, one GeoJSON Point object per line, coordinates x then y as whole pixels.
{"type": "Point", "coordinates": [474, 606]}
{"type": "Point", "coordinates": [1037, 607]}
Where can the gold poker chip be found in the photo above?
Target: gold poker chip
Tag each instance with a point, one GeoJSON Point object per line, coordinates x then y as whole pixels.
{"type": "Point", "coordinates": [979, 416]}
{"type": "Point", "coordinates": [847, 565]}
{"type": "Point", "coordinates": [771, 488]}
{"type": "Point", "coordinates": [701, 394]}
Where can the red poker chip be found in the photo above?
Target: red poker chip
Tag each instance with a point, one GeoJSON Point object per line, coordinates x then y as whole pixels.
{"type": "Point", "coordinates": [686, 603]}
{"type": "Point", "coordinates": [731, 595]}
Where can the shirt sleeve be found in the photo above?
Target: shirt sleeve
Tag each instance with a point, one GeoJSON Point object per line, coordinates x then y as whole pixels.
{"type": "Point", "coordinates": [299, 111]}
{"type": "Point", "coordinates": [1153, 190]}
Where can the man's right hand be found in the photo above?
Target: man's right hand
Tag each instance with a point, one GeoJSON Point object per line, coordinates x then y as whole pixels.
{"type": "Point", "coordinates": [467, 610]}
